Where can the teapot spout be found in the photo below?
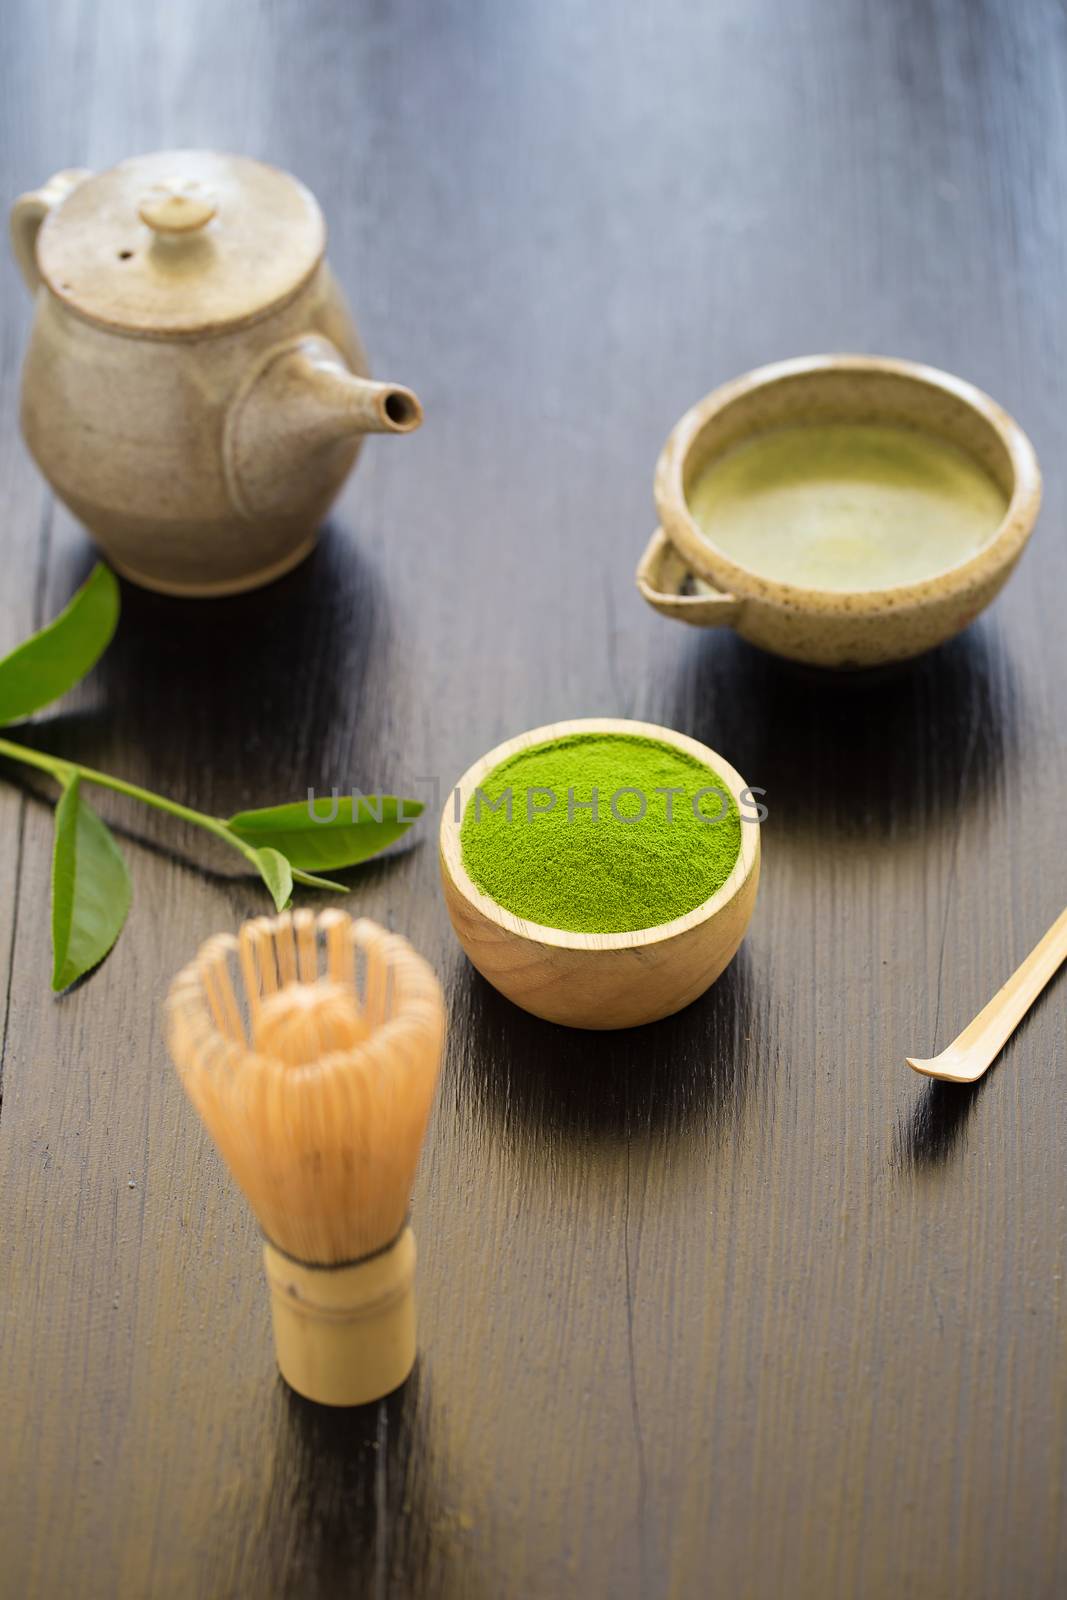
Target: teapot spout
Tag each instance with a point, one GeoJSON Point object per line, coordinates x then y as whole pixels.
{"type": "Point", "coordinates": [297, 421]}
{"type": "Point", "coordinates": [345, 403]}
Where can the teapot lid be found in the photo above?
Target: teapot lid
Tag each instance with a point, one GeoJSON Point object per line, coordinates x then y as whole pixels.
{"type": "Point", "coordinates": [181, 243]}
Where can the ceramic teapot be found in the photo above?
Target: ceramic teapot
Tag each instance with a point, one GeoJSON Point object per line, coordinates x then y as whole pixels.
{"type": "Point", "coordinates": [194, 390]}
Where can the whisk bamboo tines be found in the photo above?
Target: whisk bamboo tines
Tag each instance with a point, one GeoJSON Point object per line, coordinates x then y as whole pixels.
{"type": "Point", "coordinates": [310, 1047]}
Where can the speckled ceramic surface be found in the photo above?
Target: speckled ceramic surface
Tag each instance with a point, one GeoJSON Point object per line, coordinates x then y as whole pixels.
{"type": "Point", "coordinates": [117, 250]}
{"type": "Point", "coordinates": [194, 389]}
{"type": "Point", "coordinates": [684, 576]}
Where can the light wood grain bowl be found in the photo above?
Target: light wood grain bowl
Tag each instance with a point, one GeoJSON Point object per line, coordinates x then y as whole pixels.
{"type": "Point", "coordinates": [600, 980]}
{"type": "Point", "coordinates": [683, 575]}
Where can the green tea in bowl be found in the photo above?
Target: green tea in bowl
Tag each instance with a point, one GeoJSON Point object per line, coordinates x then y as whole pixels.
{"type": "Point", "coordinates": [601, 873]}
{"type": "Point", "coordinates": [841, 510]}
{"type": "Point", "coordinates": [847, 506]}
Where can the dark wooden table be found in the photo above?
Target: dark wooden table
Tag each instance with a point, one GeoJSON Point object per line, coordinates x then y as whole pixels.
{"type": "Point", "coordinates": [734, 1305]}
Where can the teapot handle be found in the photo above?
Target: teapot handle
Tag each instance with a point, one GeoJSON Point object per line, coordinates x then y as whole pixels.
{"type": "Point", "coordinates": [30, 210]}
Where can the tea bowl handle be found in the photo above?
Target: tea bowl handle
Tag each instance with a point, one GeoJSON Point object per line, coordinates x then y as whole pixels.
{"type": "Point", "coordinates": [660, 575]}
{"type": "Point", "coordinates": [30, 210]}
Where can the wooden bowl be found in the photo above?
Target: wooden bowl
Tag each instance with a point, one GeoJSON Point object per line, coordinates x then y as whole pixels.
{"type": "Point", "coordinates": [601, 980]}
{"type": "Point", "coordinates": [683, 575]}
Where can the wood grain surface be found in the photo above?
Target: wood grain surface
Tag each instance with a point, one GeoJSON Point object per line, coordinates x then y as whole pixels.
{"type": "Point", "coordinates": [731, 1305]}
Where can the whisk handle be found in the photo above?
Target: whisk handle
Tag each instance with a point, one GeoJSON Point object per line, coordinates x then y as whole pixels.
{"type": "Point", "coordinates": [344, 1336]}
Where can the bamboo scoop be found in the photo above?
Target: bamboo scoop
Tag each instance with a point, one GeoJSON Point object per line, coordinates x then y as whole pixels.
{"type": "Point", "coordinates": [310, 1047]}
{"type": "Point", "coordinates": [978, 1046]}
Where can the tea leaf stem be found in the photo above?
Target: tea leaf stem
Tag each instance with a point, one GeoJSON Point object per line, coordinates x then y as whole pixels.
{"type": "Point", "coordinates": [63, 770]}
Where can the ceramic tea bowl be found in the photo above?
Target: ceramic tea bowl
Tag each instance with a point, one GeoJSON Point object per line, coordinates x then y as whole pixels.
{"type": "Point", "coordinates": [683, 575]}
{"type": "Point", "coordinates": [600, 980]}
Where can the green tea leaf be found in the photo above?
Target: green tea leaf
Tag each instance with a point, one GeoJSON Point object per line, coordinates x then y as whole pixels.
{"type": "Point", "coordinates": [311, 882]}
{"type": "Point", "coordinates": [90, 889]}
{"type": "Point", "coordinates": [277, 874]}
{"type": "Point", "coordinates": [54, 660]}
{"type": "Point", "coordinates": [343, 841]}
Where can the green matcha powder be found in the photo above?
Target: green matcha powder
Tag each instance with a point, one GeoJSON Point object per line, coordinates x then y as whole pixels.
{"type": "Point", "coordinates": [644, 857]}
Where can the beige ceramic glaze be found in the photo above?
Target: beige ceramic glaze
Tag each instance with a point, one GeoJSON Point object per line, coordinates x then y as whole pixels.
{"type": "Point", "coordinates": [600, 980]}
{"type": "Point", "coordinates": [194, 389]}
{"type": "Point", "coordinates": [684, 576]}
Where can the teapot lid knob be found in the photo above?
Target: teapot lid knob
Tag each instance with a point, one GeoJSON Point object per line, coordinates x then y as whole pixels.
{"type": "Point", "coordinates": [177, 207]}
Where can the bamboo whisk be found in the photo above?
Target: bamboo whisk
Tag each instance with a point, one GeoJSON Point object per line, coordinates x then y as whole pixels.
{"type": "Point", "coordinates": [310, 1047]}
